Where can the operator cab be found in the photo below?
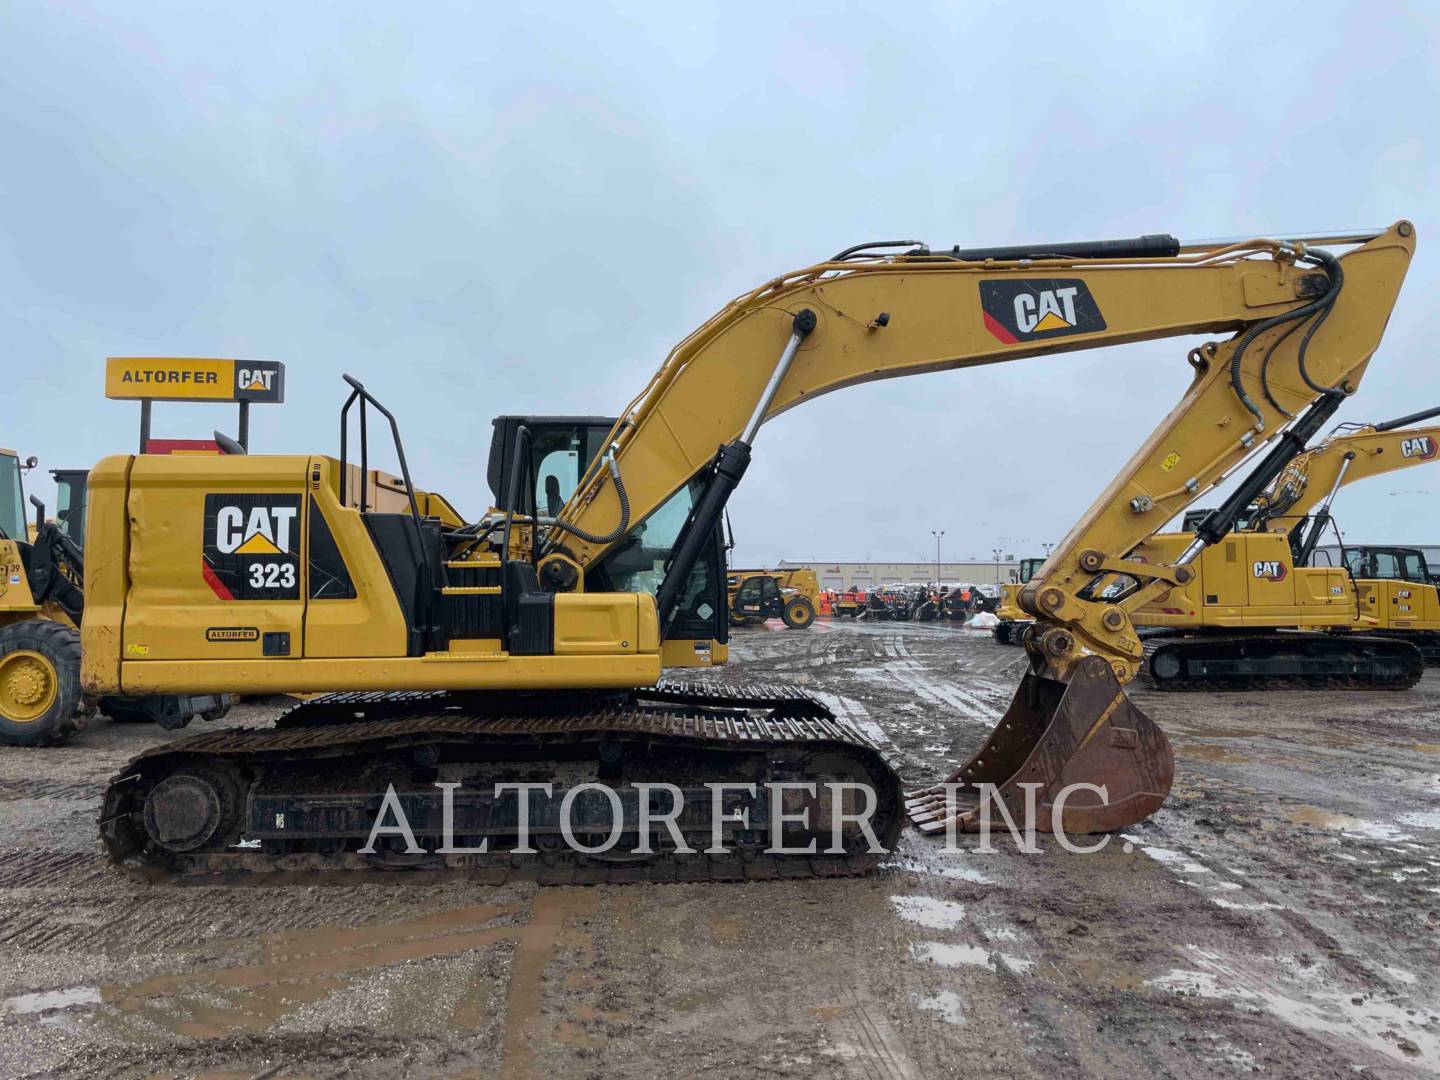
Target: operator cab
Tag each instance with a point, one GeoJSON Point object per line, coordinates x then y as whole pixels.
{"type": "Point", "coordinates": [1388, 564]}
{"type": "Point", "coordinates": [70, 488]}
{"type": "Point", "coordinates": [554, 454]}
{"type": "Point", "coordinates": [1028, 569]}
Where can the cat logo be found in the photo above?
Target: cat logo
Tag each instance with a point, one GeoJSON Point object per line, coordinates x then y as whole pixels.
{"type": "Point", "coordinates": [1270, 569]}
{"type": "Point", "coordinates": [1403, 594]}
{"type": "Point", "coordinates": [1420, 446]}
{"type": "Point", "coordinates": [1031, 310]}
{"type": "Point", "coordinates": [264, 530]}
{"type": "Point", "coordinates": [259, 380]}
{"type": "Point", "coordinates": [252, 546]}
{"type": "Point", "coordinates": [253, 379]}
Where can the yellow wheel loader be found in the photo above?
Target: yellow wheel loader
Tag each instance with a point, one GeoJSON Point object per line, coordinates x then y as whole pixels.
{"type": "Point", "coordinates": [527, 646]}
{"type": "Point", "coordinates": [41, 701]}
{"type": "Point", "coordinates": [756, 595]}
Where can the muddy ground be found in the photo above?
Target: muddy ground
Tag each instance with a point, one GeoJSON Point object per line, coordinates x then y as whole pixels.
{"type": "Point", "coordinates": [1280, 915]}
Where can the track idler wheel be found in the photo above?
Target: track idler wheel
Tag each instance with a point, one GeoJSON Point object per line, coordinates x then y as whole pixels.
{"type": "Point", "coordinates": [190, 807]}
{"type": "Point", "coordinates": [1054, 735]}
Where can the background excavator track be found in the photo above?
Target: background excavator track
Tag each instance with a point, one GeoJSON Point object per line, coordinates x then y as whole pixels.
{"type": "Point", "coordinates": [1273, 660]}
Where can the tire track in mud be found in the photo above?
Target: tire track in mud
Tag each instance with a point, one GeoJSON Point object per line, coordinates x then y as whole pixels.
{"type": "Point", "coordinates": [15, 789]}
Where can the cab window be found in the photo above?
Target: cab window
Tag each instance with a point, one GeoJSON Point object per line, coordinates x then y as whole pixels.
{"type": "Point", "coordinates": [12, 498]}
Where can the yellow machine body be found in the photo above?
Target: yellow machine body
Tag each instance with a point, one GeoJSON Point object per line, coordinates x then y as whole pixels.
{"type": "Point", "coordinates": [159, 621]}
{"type": "Point", "coordinates": [1248, 580]}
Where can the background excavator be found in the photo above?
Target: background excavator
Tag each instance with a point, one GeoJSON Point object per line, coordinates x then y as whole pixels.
{"type": "Point", "coordinates": [1231, 626]}
{"type": "Point", "coordinates": [1295, 509]}
{"type": "Point", "coordinates": [530, 643]}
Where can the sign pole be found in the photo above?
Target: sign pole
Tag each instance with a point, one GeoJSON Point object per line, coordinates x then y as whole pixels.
{"type": "Point", "coordinates": [144, 424]}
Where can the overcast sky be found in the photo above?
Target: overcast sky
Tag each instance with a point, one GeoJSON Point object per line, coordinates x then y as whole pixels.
{"type": "Point", "coordinates": [482, 210]}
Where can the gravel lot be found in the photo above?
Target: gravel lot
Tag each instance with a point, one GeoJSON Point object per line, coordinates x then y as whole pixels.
{"type": "Point", "coordinates": [1281, 915]}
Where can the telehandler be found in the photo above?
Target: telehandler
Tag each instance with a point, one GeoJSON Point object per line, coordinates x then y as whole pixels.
{"type": "Point", "coordinates": [755, 595]}
{"type": "Point", "coordinates": [529, 644]}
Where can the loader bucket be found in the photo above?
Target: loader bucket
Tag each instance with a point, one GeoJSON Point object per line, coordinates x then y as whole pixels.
{"type": "Point", "coordinates": [1056, 734]}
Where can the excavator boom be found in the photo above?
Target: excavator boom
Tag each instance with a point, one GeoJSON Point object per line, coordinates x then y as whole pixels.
{"type": "Point", "coordinates": [862, 317]}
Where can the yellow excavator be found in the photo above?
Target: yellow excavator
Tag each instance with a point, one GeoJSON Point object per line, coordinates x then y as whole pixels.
{"type": "Point", "coordinates": [1218, 627]}
{"type": "Point", "coordinates": [1288, 510]}
{"type": "Point", "coordinates": [529, 644]}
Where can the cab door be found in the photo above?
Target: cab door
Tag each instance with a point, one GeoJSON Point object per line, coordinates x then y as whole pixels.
{"type": "Point", "coordinates": [758, 598]}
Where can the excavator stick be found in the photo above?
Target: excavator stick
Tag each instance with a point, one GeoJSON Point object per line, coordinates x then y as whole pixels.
{"type": "Point", "coordinates": [1056, 735]}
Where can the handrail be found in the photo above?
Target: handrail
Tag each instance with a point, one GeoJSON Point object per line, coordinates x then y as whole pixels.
{"type": "Point", "coordinates": [359, 391]}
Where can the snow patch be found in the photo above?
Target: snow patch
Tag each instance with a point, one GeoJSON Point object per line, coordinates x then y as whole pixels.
{"type": "Point", "coordinates": [946, 1003]}
{"type": "Point", "coordinates": [928, 911]}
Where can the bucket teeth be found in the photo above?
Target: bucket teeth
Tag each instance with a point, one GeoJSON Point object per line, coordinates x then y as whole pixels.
{"type": "Point", "coordinates": [1080, 745]}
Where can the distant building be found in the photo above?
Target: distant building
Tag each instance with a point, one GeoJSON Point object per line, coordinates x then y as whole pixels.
{"type": "Point", "coordinates": [864, 575]}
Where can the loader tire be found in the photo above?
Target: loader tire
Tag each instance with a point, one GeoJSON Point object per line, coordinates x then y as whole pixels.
{"type": "Point", "coordinates": [41, 703]}
{"type": "Point", "coordinates": [799, 613]}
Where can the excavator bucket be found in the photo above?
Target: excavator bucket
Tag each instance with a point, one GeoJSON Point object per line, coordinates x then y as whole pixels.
{"type": "Point", "coordinates": [1055, 735]}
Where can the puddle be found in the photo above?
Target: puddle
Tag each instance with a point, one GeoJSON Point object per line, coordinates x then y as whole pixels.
{"type": "Point", "coordinates": [1359, 827]}
{"type": "Point", "coordinates": [1211, 752]}
{"type": "Point", "coordinates": [928, 911]}
{"type": "Point", "coordinates": [300, 967]}
{"type": "Point", "coordinates": [1238, 905]}
{"type": "Point", "coordinates": [289, 972]}
{"type": "Point", "coordinates": [1393, 1030]}
{"type": "Point", "coordinates": [1375, 830]}
{"type": "Point", "coordinates": [954, 873]}
{"type": "Point", "coordinates": [49, 1000]}
{"type": "Point", "coordinates": [946, 1004]}
{"type": "Point", "coordinates": [948, 955]}
{"type": "Point", "coordinates": [1323, 819]}
{"type": "Point", "coordinates": [1423, 819]}
{"type": "Point", "coordinates": [1182, 862]}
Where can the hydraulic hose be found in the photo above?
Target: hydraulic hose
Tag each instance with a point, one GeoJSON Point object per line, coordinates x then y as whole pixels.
{"type": "Point", "coordinates": [620, 529]}
{"type": "Point", "coordinates": [1337, 282]}
{"type": "Point", "coordinates": [1331, 265]}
